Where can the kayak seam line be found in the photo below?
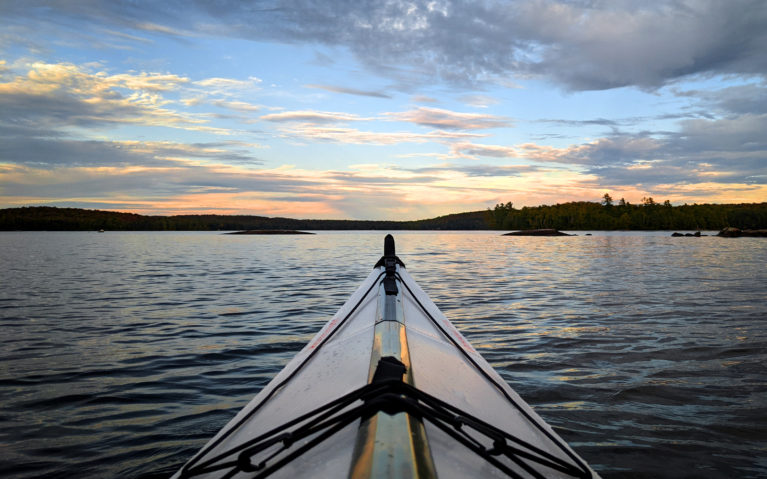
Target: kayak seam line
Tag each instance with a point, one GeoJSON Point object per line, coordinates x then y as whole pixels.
{"type": "Point", "coordinates": [572, 456]}
{"type": "Point", "coordinates": [185, 470]}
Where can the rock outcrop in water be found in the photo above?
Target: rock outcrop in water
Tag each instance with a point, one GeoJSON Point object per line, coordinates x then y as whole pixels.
{"type": "Point", "coordinates": [542, 232]}
{"type": "Point", "coordinates": [731, 232]}
{"type": "Point", "coordinates": [270, 232]}
{"type": "Point", "coordinates": [696, 234]}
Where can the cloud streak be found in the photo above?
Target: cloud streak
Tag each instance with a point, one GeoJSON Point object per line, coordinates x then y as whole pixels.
{"type": "Point", "coordinates": [450, 120]}
{"type": "Point", "coordinates": [471, 150]}
{"type": "Point", "coordinates": [349, 91]}
{"type": "Point", "coordinates": [311, 117]}
{"type": "Point", "coordinates": [346, 135]}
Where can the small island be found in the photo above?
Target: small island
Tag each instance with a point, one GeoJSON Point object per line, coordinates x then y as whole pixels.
{"type": "Point", "coordinates": [270, 232]}
{"type": "Point", "coordinates": [731, 232]}
{"type": "Point", "coordinates": [540, 232]}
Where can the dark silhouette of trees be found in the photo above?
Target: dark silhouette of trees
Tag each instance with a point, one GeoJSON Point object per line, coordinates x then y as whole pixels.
{"type": "Point", "coordinates": [578, 215]}
{"type": "Point", "coordinates": [650, 215]}
{"type": "Point", "coordinates": [41, 218]}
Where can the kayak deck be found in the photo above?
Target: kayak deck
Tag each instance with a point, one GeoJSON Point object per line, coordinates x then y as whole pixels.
{"type": "Point", "coordinates": [387, 388]}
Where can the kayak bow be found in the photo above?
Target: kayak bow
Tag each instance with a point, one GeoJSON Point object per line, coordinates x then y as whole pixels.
{"type": "Point", "coordinates": [387, 388]}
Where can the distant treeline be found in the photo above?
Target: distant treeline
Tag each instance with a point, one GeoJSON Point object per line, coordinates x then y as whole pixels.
{"type": "Point", "coordinates": [567, 216]}
{"type": "Point", "coordinates": [46, 218]}
{"type": "Point", "coordinates": [648, 215]}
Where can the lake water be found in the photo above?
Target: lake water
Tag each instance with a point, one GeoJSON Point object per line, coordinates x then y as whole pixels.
{"type": "Point", "coordinates": [122, 353]}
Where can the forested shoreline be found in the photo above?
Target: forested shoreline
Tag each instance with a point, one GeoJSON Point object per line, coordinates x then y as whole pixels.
{"type": "Point", "coordinates": [566, 216]}
{"type": "Point", "coordinates": [648, 215]}
{"type": "Point", "coordinates": [40, 218]}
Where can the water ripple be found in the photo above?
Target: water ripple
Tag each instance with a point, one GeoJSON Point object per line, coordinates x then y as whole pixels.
{"type": "Point", "coordinates": [123, 353]}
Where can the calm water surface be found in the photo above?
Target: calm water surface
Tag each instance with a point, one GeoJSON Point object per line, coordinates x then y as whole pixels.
{"type": "Point", "coordinates": [122, 353]}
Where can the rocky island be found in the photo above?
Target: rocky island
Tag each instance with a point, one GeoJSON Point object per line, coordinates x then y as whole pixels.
{"type": "Point", "coordinates": [731, 232]}
{"type": "Point", "coordinates": [541, 232]}
{"type": "Point", "coordinates": [270, 232]}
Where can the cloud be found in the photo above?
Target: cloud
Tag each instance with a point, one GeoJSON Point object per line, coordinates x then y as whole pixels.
{"type": "Point", "coordinates": [196, 188]}
{"type": "Point", "coordinates": [44, 153]}
{"type": "Point", "coordinates": [727, 146]}
{"type": "Point", "coordinates": [450, 120]}
{"type": "Point", "coordinates": [228, 86]}
{"type": "Point", "coordinates": [316, 126]}
{"type": "Point", "coordinates": [42, 77]}
{"type": "Point", "coordinates": [470, 150]}
{"type": "Point", "coordinates": [583, 46]}
{"type": "Point", "coordinates": [125, 36]}
{"type": "Point", "coordinates": [478, 170]}
{"type": "Point", "coordinates": [612, 123]}
{"type": "Point", "coordinates": [616, 150]}
{"type": "Point", "coordinates": [479, 101]}
{"type": "Point", "coordinates": [730, 150]}
{"type": "Point", "coordinates": [390, 178]}
{"type": "Point", "coordinates": [337, 134]}
{"type": "Point", "coordinates": [424, 99]}
{"type": "Point", "coordinates": [645, 45]}
{"type": "Point", "coordinates": [152, 82]}
{"type": "Point", "coordinates": [149, 184]}
{"type": "Point", "coordinates": [579, 45]}
{"type": "Point", "coordinates": [323, 60]}
{"type": "Point", "coordinates": [49, 153]}
{"type": "Point", "coordinates": [52, 96]}
{"type": "Point", "coordinates": [739, 134]}
{"type": "Point", "coordinates": [156, 28]}
{"type": "Point", "coordinates": [309, 116]}
{"type": "Point", "coordinates": [712, 192]}
{"type": "Point", "coordinates": [241, 106]}
{"type": "Point", "coordinates": [748, 98]}
{"type": "Point", "coordinates": [349, 91]}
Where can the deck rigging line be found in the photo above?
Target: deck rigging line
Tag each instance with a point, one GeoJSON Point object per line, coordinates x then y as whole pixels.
{"type": "Point", "coordinates": [390, 395]}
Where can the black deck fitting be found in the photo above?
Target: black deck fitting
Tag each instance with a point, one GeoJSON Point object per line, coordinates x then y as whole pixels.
{"type": "Point", "coordinates": [389, 368]}
{"type": "Point", "coordinates": [389, 253]}
{"type": "Point", "coordinates": [389, 246]}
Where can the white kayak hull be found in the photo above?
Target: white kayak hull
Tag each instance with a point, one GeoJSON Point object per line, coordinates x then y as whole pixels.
{"type": "Point", "coordinates": [337, 362]}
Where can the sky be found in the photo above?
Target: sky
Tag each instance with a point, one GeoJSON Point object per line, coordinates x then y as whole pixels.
{"type": "Point", "coordinates": [382, 109]}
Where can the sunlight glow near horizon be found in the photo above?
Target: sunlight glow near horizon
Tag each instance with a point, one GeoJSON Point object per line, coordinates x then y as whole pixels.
{"type": "Point", "coordinates": [412, 113]}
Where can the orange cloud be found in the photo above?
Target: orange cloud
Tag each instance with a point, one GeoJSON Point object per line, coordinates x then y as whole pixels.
{"type": "Point", "coordinates": [193, 188]}
{"type": "Point", "coordinates": [709, 192]}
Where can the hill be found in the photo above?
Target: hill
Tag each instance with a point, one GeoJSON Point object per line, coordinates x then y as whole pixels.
{"type": "Point", "coordinates": [40, 218]}
{"type": "Point", "coordinates": [581, 215]}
